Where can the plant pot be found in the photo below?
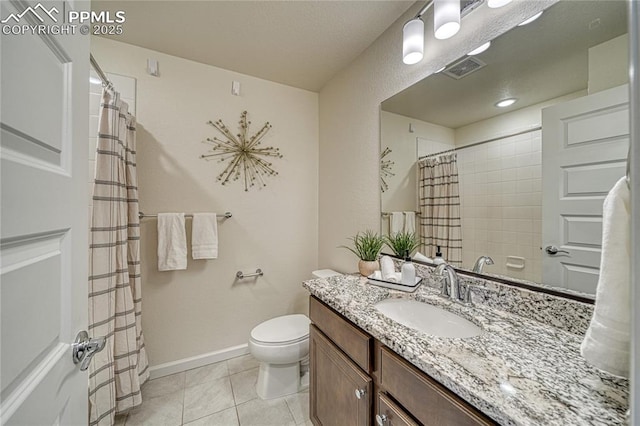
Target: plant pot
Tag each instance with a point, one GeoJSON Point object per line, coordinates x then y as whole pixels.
{"type": "Point", "coordinates": [368, 267]}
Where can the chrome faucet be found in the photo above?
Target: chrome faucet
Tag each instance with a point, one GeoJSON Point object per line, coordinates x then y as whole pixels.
{"type": "Point", "coordinates": [451, 284]}
{"type": "Point", "coordinates": [482, 260]}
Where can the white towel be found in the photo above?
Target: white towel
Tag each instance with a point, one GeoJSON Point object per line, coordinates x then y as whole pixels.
{"type": "Point", "coordinates": [410, 222]}
{"type": "Point", "coordinates": [387, 268]}
{"type": "Point", "coordinates": [422, 258]}
{"type": "Point", "coordinates": [607, 342]}
{"type": "Point", "coordinates": [204, 236]}
{"type": "Point", "coordinates": [172, 242]}
{"type": "Point", "coordinates": [396, 222]}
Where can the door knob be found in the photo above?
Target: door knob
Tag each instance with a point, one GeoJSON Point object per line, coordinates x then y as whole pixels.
{"type": "Point", "coordinates": [554, 250]}
{"type": "Point", "coordinates": [381, 419]}
{"type": "Point", "coordinates": [84, 348]}
{"type": "Point", "coordinates": [360, 393]}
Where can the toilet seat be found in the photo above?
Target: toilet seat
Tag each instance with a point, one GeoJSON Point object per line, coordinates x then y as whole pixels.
{"type": "Point", "coordinates": [284, 330]}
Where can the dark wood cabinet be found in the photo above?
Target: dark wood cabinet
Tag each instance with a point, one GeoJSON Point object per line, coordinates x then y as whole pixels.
{"type": "Point", "coordinates": [390, 414]}
{"type": "Point", "coordinates": [427, 400]}
{"type": "Point", "coordinates": [356, 380]}
{"type": "Point", "coordinates": [340, 392]}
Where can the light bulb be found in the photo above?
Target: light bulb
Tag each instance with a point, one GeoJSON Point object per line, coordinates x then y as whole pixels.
{"type": "Point", "coordinates": [446, 18]}
{"type": "Point", "coordinates": [413, 41]}
{"type": "Point", "coordinates": [480, 49]}
{"type": "Point", "coordinates": [494, 4]}
{"type": "Point", "coordinates": [506, 102]}
{"type": "Point", "coordinates": [530, 20]}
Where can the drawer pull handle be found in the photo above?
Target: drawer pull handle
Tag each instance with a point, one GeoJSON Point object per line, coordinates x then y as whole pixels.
{"type": "Point", "coordinates": [360, 393]}
{"type": "Point", "coordinates": [381, 419]}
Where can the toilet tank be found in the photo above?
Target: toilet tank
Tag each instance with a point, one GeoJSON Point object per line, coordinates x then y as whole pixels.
{"type": "Point", "coordinates": [325, 273]}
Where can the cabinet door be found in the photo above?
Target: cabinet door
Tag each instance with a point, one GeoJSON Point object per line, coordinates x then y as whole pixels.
{"type": "Point", "coordinates": [340, 392]}
{"type": "Point", "coordinates": [389, 414]}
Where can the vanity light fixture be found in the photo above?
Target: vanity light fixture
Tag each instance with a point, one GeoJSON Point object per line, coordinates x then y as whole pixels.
{"type": "Point", "coordinates": [446, 18]}
{"type": "Point", "coordinates": [413, 41]}
{"type": "Point", "coordinates": [479, 49]}
{"type": "Point", "coordinates": [494, 4]}
{"type": "Point", "coordinates": [446, 24]}
{"type": "Point", "coordinates": [530, 20]}
{"type": "Point", "coordinates": [506, 102]}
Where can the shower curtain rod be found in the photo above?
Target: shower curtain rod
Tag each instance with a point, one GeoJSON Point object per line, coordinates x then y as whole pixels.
{"type": "Point", "coordinates": [522, 132]}
{"type": "Point", "coordinates": [101, 74]}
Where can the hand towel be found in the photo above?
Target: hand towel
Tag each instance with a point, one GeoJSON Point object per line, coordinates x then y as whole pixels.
{"type": "Point", "coordinates": [606, 344]}
{"type": "Point", "coordinates": [204, 236]}
{"type": "Point", "coordinates": [396, 222]}
{"type": "Point", "coordinates": [387, 268]}
{"type": "Point", "coordinates": [422, 258]}
{"type": "Point", "coordinates": [410, 222]}
{"type": "Point", "coordinates": [172, 242]}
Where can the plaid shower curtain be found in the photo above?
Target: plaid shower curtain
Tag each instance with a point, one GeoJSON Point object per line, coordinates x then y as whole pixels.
{"type": "Point", "coordinates": [439, 204]}
{"type": "Point", "coordinates": [117, 372]}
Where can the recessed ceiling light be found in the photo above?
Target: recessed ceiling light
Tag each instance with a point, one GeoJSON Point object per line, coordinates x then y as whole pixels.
{"type": "Point", "coordinates": [506, 102]}
{"type": "Point", "coordinates": [94, 80]}
{"type": "Point", "coordinates": [530, 20]}
{"type": "Point", "coordinates": [494, 4]}
{"type": "Point", "coordinates": [480, 49]}
{"type": "Point", "coordinates": [441, 69]}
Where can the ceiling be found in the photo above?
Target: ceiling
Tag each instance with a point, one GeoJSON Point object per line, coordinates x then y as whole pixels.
{"type": "Point", "coordinates": [297, 43]}
{"type": "Point", "coordinates": [534, 63]}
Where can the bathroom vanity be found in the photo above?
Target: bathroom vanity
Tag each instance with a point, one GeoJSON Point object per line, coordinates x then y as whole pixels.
{"type": "Point", "coordinates": [368, 369]}
{"type": "Point", "coordinates": [341, 352]}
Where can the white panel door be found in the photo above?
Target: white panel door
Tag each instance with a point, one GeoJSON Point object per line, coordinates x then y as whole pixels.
{"type": "Point", "coordinates": [584, 152]}
{"type": "Point", "coordinates": [44, 224]}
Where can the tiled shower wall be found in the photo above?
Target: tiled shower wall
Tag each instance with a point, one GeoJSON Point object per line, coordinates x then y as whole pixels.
{"type": "Point", "coordinates": [501, 204]}
{"type": "Point", "coordinates": [127, 88]}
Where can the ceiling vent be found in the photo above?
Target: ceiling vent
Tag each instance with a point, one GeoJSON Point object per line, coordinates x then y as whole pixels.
{"type": "Point", "coordinates": [467, 6]}
{"type": "Point", "coordinates": [464, 67]}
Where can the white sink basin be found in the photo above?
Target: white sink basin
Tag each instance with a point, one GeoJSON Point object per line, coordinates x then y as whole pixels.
{"type": "Point", "coordinates": [427, 318]}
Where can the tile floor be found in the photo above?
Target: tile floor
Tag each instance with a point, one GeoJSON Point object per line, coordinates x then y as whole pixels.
{"type": "Point", "coordinates": [220, 394]}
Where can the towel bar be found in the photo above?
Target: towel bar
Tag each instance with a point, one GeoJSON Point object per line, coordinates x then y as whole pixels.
{"type": "Point", "coordinates": [258, 273]}
{"type": "Point", "coordinates": [141, 214]}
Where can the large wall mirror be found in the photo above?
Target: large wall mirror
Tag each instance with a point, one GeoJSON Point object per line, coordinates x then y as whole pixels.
{"type": "Point", "coordinates": [523, 183]}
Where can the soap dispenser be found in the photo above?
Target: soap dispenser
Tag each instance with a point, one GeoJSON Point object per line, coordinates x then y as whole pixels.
{"type": "Point", "coordinates": [438, 259]}
{"type": "Point", "coordinates": [408, 271]}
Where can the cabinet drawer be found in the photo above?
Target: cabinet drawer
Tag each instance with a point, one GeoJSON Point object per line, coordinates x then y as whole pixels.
{"type": "Point", "coordinates": [389, 414]}
{"type": "Point", "coordinates": [353, 341]}
{"type": "Point", "coordinates": [427, 400]}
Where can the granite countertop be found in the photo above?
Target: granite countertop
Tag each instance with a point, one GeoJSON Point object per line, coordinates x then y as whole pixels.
{"type": "Point", "coordinates": [518, 372]}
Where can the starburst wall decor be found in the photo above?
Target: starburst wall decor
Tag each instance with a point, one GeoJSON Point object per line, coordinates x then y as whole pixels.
{"type": "Point", "coordinates": [386, 167]}
{"type": "Point", "coordinates": [247, 160]}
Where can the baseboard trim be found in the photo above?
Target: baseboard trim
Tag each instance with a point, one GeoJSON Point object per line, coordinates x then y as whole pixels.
{"type": "Point", "coordinates": [185, 364]}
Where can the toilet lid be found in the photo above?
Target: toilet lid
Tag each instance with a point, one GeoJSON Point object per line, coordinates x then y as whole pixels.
{"type": "Point", "coordinates": [287, 328]}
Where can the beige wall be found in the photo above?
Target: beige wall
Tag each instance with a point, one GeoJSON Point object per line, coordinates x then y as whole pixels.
{"type": "Point", "coordinates": [608, 64]}
{"type": "Point", "coordinates": [350, 119]}
{"type": "Point", "coordinates": [204, 309]}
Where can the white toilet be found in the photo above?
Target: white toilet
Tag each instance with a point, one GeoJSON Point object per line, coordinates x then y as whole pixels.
{"type": "Point", "coordinates": [281, 345]}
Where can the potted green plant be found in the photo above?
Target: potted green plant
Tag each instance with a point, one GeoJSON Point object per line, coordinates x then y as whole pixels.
{"type": "Point", "coordinates": [402, 243]}
{"type": "Point", "coordinates": [367, 246]}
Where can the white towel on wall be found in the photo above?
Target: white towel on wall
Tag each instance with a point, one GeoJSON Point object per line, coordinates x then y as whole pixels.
{"type": "Point", "coordinates": [410, 222]}
{"type": "Point", "coordinates": [172, 242]}
{"type": "Point", "coordinates": [204, 236]}
{"type": "Point", "coordinates": [606, 344]}
{"type": "Point", "coordinates": [396, 223]}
